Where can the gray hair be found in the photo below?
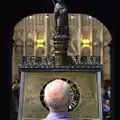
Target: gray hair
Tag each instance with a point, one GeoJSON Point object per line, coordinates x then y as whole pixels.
{"type": "Point", "coordinates": [58, 95]}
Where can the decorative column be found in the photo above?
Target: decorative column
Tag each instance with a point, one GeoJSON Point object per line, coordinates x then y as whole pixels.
{"type": "Point", "coordinates": [79, 35]}
{"type": "Point", "coordinates": [13, 64]}
{"type": "Point", "coordinates": [61, 47]}
{"type": "Point", "coordinates": [91, 37]}
{"type": "Point", "coordinates": [46, 34]}
{"type": "Point", "coordinates": [102, 44]}
{"type": "Point", "coordinates": [34, 34]}
{"type": "Point", "coordinates": [24, 38]}
{"type": "Point", "coordinates": [13, 57]}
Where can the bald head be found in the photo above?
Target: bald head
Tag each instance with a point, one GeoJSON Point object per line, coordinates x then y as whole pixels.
{"type": "Point", "coordinates": [57, 95]}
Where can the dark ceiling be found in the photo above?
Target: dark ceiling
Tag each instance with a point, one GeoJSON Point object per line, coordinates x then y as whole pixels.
{"type": "Point", "coordinates": [102, 10]}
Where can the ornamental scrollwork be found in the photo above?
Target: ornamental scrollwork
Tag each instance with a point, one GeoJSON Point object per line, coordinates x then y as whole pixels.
{"type": "Point", "coordinates": [49, 62]}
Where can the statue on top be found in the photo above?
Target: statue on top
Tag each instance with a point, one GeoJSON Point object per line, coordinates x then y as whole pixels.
{"type": "Point", "coordinates": [61, 19]}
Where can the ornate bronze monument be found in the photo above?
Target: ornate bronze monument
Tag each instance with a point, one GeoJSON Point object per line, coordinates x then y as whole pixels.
{"type": "Point", "coordinates": [83, 73]}
{"type": "Point", "coordinates": [61, 36]}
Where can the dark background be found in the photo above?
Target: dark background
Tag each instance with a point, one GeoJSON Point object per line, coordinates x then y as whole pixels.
{"type": "Point", "coordinates": [13, 11]}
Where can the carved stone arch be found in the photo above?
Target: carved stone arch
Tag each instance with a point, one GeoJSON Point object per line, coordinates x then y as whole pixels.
{"type": "Point", "coordinates": [85, 20]}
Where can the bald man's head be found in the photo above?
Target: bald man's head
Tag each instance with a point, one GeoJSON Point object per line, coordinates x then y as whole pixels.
{"type": "Point", "coordinates": [57, 95]}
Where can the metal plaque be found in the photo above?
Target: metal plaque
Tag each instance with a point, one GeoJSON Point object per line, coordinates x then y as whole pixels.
{"type": "Point", "coordinates": [85, 90]}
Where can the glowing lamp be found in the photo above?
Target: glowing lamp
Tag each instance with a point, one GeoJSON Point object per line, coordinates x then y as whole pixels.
{"type": "Point", "coordinates": [86, 43]}
{"type": "Point", "coordinates": [40, 43]}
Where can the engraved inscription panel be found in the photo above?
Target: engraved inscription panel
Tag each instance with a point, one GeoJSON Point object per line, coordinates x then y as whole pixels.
{"type": "Point", "coordinates": [86, 82]}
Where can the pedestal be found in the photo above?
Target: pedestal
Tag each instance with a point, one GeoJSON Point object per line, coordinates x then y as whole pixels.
{"type": "Point", "coordinates": [61, 47]}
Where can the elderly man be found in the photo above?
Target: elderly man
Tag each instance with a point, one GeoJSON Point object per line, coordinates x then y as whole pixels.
{"type": "Point", "coordinates": [57, 98]}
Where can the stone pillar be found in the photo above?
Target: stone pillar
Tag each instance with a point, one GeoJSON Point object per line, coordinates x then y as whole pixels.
{"type": "Point", "coordinates": [61, 47]}
{"type": "Point", "coordinates": [102, 44]}
{"type": "Point", "coordinates": [79, 35]}
{"type": "Point", "coordinates": [46, 35]}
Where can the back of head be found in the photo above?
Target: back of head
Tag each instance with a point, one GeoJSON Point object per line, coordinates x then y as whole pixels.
{"type": "Point", "coordinates": [57, 95]}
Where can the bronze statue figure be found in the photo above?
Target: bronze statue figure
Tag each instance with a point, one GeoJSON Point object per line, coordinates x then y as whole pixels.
{"type": "Point", "coordinates": [61, 36]}
{"type": "Point", "coordinates": [61, 18]}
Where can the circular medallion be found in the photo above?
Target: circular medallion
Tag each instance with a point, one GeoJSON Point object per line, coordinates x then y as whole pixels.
{"type": "Point", "coordinates": [75, 94]}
